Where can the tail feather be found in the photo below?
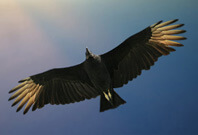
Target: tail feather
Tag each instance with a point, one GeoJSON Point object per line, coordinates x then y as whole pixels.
{"type": "Point", "coordinates": [115, 102]}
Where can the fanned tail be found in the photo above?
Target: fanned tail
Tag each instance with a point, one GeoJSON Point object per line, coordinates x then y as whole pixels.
{"type": "Point", "coordinates": [113, 101]}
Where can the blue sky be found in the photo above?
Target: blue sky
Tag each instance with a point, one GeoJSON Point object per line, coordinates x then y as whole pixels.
{"type": "Point", "coordinates": [40, 35]}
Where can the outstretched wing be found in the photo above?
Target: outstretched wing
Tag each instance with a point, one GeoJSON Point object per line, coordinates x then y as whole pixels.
{"type": "Point", "coordinates": [140, 51]}
{"type": "Point", "coordinates": [56, 86]}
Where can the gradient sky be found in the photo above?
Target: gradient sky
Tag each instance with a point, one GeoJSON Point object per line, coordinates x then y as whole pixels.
{"type": "Point", "coordinates": [39, 35]}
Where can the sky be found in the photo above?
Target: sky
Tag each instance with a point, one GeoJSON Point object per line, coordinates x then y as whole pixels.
{"type": "Point", "coordinates": [36, 36]}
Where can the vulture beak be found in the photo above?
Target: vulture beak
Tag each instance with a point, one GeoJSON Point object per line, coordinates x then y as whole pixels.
{"type": "Point", "coordinates": [87, 50]}
{"type": "Point", "coordinates": [88, 53]}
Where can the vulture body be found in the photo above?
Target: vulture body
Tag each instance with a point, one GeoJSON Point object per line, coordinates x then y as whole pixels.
{"type": "Point", "coordinates": [98, 75]}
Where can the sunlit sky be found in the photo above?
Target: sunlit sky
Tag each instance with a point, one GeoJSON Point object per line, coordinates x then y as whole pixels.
{"type": "Point", "coordinates": [39, 35]}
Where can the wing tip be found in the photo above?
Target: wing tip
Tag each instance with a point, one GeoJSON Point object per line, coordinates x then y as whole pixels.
{"type": "Point", "coordinates": [183, 31]}
{"type": "Point", "coordinates": [159, 22]}
{"type": "Point", "coordinates": [12, 97]}
{"type": "Point", "coordinates": [181, 25]}
{"type": "Point", "coordinates": [19, 108]}
{"type": "Point", "coordinates": [10, 91]}
{"type": "Point", "coordinates": [152, 26]}
{"type": "Point", "coordinates": [175, 20]}
{"type": "Point", "coordinates": [23, 80]}
{"type": "Point", "coordinates": [25, 111]}
{"type": "Point", "coordinates": [14, 104]}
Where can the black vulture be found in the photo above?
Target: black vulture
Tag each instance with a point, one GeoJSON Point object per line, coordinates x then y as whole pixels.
{"type": "Point", "coordinates": [98, 75]}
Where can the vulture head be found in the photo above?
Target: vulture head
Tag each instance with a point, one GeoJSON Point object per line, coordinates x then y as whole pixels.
{"type": "Point", "coordinates": [88, 54]}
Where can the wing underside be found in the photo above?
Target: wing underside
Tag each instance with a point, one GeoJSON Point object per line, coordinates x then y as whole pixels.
{"type": "Point", "coordinates": [140, 51]}
{"type": "Point", "coordinates": [57, 86]}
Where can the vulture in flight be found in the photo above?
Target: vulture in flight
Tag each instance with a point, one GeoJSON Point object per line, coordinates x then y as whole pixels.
{"type": "Point", "coordinates": [98, 75]}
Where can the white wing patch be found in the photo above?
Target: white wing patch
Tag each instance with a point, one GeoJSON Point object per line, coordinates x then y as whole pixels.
{"type": "Point", "coordinates": [108, 95]}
